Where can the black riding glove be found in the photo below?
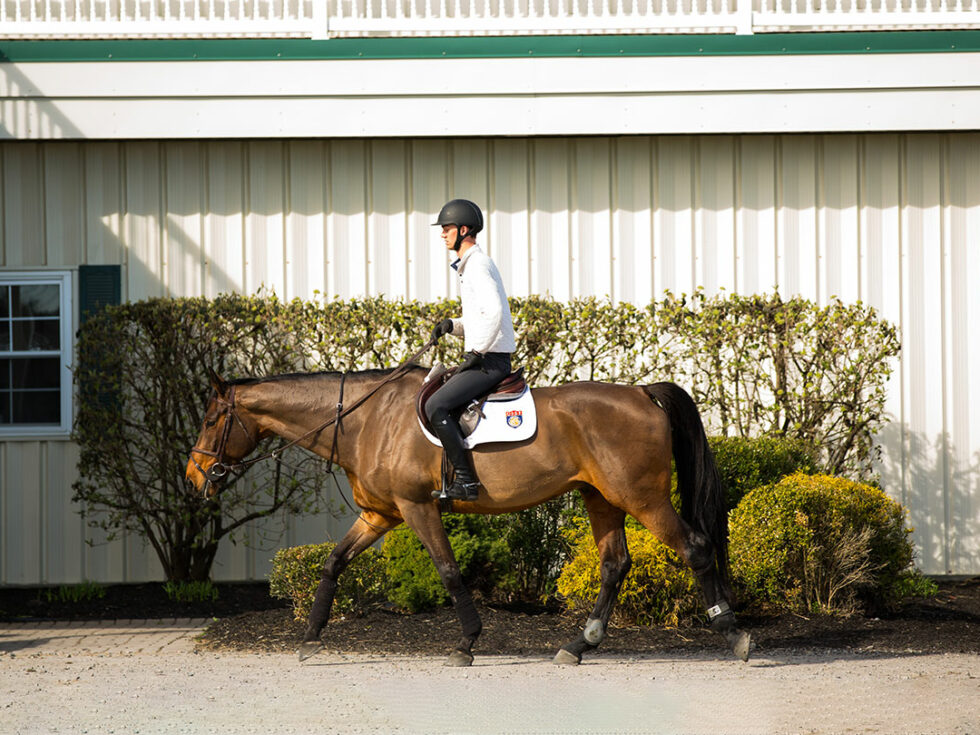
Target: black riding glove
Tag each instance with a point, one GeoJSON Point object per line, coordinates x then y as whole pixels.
{"type": "Point", "coordinates": [443, 327]}
{"type": "Point", "coordinates": [471, 361]}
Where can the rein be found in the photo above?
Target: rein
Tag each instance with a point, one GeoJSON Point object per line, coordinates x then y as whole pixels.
{"type": "Point", "coordinates": [220, 469]}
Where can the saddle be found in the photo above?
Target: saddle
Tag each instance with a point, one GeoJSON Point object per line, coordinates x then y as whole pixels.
{"type": "Point", "coordinates": [508, 389]}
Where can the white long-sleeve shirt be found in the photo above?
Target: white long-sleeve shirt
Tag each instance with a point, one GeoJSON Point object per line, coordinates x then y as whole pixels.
{"type": "Point", "coordinates": [486, 325]}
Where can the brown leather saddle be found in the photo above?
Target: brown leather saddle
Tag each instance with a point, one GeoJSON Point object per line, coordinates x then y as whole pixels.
{"type": "Point", "coordinates": [507, 389]}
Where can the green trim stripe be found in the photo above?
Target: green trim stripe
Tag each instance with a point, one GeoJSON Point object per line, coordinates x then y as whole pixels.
{"type": "Point", "coordinates": [768, 44]}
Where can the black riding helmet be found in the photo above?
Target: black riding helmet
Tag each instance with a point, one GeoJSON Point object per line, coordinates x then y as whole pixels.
{"type": "Point", "coordinates": [460, 212]}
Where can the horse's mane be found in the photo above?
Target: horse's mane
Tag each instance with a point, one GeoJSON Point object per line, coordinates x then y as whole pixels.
{"type": "Point", "coordinates": [373, 373]}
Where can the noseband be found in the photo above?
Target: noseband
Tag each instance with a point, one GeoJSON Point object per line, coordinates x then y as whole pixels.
{"type": "Point", "coordinates": [220, 469]}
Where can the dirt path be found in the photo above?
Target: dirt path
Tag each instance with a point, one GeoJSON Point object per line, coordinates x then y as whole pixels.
{"type": "Point", "coordinates": [60, 686]}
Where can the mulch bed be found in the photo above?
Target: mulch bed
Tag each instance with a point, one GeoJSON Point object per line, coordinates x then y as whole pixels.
{"type": "Point", "coordinates": [247, 619]}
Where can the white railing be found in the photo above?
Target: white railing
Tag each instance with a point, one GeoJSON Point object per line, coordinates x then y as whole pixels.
{"type": "Point", "coordinates": [163, 19]}
{"type": "Point", "coordinates": [857, 15]}
{"type": "Point", "coordinates": [358, 18]}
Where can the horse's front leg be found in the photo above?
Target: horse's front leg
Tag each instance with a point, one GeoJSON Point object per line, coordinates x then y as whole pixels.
{"type": "Point", "coordinates": [607, 523]}
{"type": "Point", "coordinates": [424, 519]}
{"type": "Point", "coordinates": [367, 529]}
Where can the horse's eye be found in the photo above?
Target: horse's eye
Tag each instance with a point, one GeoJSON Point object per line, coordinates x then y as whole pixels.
{"type": "Point", "coordinates": [210, 422]}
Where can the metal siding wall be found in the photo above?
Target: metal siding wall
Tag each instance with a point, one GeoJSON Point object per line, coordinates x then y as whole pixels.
{"type": "Point", "coordinates": [883, 218]}
{"type": "Point", "coordinates": [103, 205]}
{"type": "Point", "coordinates": [224, 231]}
{"type": "Point", "coordinates": [305, 231]}
{"type": "Point", "coordinates": [963, 305]}
{"type": "Point", "coordinates": [632, 222]}
{"type": "Point", "coordinates": [550, 231]}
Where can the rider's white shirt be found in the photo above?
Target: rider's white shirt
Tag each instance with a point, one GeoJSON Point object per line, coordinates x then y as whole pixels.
{"type": "Point", "coordinates": [486, 324]}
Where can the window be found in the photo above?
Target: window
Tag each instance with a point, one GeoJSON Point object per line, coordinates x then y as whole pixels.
{"type": "Point", "coordinates": [35, 351]}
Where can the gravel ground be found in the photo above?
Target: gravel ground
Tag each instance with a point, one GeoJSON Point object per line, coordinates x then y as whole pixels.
{"type": "Point", "coordinates": [194, 691]}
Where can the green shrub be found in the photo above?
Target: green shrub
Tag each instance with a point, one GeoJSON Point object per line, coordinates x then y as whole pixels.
{"type": "Point", "coordinates": [659, 590]}
{"type": "Point", "coordinates": [914, 583]}
{"type": "Point", "coordinates": [480, 550]}
{"type": "Point", "coordinates": [819, 543]}
{"type": "Point", "coordinates": [296, 572]}
{"type": "Point", "coordinates": [537, 548]}
{"type": "Point", "coordinates": [745, 463]}
{"type": "Point", "coordinates": [75, 593]}
{"type": "Point", "coordinates": [191, 591]}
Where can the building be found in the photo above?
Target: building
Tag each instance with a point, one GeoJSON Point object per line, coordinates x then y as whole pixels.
{"type": "Point", "coordinates": [621, 148]}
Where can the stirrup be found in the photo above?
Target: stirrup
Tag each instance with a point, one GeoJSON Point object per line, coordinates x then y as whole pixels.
{"type": "Point", "coordinates": [459, 491]}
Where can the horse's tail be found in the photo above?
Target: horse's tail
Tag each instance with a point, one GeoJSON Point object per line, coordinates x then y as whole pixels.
{"type": "Point", "coordinates": [703, 504]}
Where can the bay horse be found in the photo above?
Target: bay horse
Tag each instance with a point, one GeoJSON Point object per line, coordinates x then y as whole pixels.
{"type": "Point", "coordinates": [613, 443]}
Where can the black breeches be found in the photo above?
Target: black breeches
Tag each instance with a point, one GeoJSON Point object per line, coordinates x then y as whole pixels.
{"type": "Point", "coordinates": [463, 387]}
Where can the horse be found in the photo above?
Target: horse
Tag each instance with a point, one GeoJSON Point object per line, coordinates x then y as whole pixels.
{"type": "Point", "coordinates": [612, 443]}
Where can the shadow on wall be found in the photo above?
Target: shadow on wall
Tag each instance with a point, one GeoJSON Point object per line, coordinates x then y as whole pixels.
{"type": "Point", "coordinates": [45, 117]}
{"type": "Point", "coordinates": [941, 491]}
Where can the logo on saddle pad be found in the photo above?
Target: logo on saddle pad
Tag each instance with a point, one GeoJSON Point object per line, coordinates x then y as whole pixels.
{"type": "Point", "coordinates": [515, 419]}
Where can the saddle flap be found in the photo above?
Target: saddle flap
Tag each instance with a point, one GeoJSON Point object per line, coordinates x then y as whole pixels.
{"type": "Point", "coordinates": [437, 376]}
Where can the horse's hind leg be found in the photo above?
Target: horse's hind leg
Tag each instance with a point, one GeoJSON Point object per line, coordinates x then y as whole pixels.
{"type": "Point", "coordinates": [610, 538]}
{"type": "Point", "coordinates": [366, 530]}
{"type": "Point", "coordinates": [424, 519]}
{"type": "Point", "coordinates": [697, 552]}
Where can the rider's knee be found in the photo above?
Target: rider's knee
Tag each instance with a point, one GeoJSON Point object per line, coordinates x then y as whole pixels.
{"type": "Point", "coordinates": [436, 412]}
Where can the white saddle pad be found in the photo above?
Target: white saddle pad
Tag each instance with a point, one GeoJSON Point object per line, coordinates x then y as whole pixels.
{"type": "Point", "coordinates": [511, 420]}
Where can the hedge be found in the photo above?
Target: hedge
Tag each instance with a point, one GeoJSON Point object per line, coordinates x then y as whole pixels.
{"type": "Point", "coordinates": [754, 364]}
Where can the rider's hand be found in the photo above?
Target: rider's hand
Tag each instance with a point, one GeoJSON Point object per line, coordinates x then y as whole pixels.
{"type": "Point", "coordinates": [443, 327]}
{"type": "Point", "coordinates": [471, 360]}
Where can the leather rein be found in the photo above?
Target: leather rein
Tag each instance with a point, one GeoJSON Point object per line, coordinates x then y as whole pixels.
{"type": "Point", "coordinates": [221, 469]}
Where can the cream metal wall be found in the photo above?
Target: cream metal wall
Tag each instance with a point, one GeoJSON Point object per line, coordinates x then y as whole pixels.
{"type": "Point", "coordinates": [885, 218]}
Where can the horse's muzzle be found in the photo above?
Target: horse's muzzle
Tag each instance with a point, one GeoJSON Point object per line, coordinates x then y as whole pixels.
{"type": "Point", "coordinates": [206, 481]}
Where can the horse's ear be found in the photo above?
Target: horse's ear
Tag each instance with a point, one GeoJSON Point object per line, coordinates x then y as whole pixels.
{"type": "Point", "coordinates": [219, 385]}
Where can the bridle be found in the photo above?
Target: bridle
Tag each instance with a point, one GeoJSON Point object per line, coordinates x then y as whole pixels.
{"type": "Point", "coordinates": [222, 469]}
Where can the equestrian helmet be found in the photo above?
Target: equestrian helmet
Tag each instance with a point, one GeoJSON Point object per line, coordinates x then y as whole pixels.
{"type": "Point", "coordinates": [461, 212]}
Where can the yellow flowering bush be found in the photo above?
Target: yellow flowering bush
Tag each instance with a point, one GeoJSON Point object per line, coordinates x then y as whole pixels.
{"type": "Point", "coordinates": [659, 590]}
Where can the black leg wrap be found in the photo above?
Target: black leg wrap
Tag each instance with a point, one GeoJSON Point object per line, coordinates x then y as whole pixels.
{"type": "Point", "coordinates": [320, 612]}
{"type": "Point", "coordinates": [722, 618]}
{"type": "Point", "coordinates": [469, 618]}
{"type": "Point", "coordinates": [723, 621]}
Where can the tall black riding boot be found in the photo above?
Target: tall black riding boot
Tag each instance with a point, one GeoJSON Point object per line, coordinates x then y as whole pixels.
{"type": "Point", "coordinates": [465, 485]}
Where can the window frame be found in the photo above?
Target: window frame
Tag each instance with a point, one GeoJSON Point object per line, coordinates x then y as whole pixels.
{"type": "Point", "coordinates": [63, 279]}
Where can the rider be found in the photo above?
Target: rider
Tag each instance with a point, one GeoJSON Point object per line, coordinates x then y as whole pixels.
{"type": "Point", "coordinates": [488, 335]}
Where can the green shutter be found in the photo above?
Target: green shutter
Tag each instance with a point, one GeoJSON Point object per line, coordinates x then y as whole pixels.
{"type": "Point", "coordinates": [98, 286]}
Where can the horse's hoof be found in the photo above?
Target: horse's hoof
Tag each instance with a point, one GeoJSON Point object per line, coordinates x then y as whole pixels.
{"type": "Point", "coordinates": [459, 658]}
{"type": "Point", "coordinates": [308, 649]}
{"type": "Point", "coordinates": [566, 658]}
{"type": "Point", "coordinates": [742, 645]}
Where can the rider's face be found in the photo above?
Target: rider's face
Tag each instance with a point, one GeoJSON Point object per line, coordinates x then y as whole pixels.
{"type": "Point", "coordinates": [449, 236]}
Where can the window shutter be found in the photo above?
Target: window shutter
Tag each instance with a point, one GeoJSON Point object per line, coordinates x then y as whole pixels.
{"type": "Point", "coordinates": [98, 286]}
